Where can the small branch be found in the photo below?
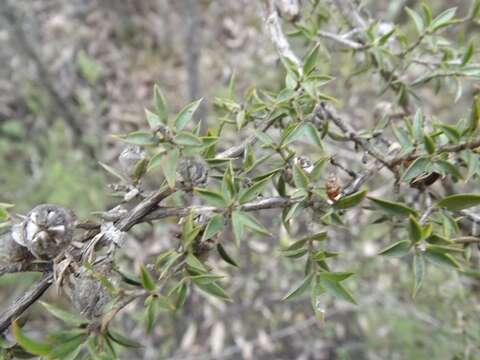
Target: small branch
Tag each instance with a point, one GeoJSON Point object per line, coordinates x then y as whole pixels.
{"type": "Point", "coordinates": [25, 267]}
{"type": "Point", "coordinates": [342, 40]}
{"type": "Point", "coordinates": [472, 144]}
{"type": "Point", "coordinates": [25, 301]}
{"type": "Point", "coordinates": [268, 203]}
{"type": "Point", "coordinates": [467, 240]}
{"type": "Point", "coordinates": [274, 29]}
{"type": "Point", "coordinates": [330, 113]}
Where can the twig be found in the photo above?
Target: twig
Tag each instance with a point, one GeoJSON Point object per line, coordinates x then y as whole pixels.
{"type": "Point", "coordinates": [466, 240]}
{"type": "Point", "coordinates": [342, 40]}
{"type": "Point", "coordinates": [274, 29]}
{"type": "Point", "coordinates": [25, 301]}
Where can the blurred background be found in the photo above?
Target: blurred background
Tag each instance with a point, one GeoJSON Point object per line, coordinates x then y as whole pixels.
{"type": "Point", "coordinates": [74, 72]}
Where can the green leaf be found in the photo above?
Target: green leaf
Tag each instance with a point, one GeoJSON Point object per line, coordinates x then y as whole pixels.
{"type": "Point", "coordinates": [148, 282]}
{"type": "Point", "coordinates": [63, 349]}
{"type": "Point", "coordinates": [335, 276]}
{"type": "Point", "coordinates": [169, 167]}
{"type": "Point", "coordinates": [206, 278]}
{"type": "Point", "coordinates": [63, 315]}
{"type": "Point", "coordinates": [296, 245]}
{"type": "Point", "coordinates": [292, 134]}
{"type": "Point", "coordinates": [156, 160]}
{"type": "Point", "coordinates": [350, 200]}
{"type": "Point", "coordinates": [123, 340]}
{"type": "Point", "coordinates": [427, 12]}
{"type": "Point", "coordinates": [253, 191]}
{"type": "Point", "coordinates": [225, 256]}
{"type": "Point", "coordinates": [418, 272]}
{"type": "Point", "coordinates": [320, 236]}
{"type": "Point", "coordinates": [312, 135]}
{"type": "Point", "coordinates": [187, 139]}
{"type": "Point", "coordinates": [195, 263]}
{"type": "Point", "coordinates": [186, 114]}
{"type": "Point", "coordinates": [3, 214]}
{"type": "Point", "coordinates": [474, 118]}
{"type": "Point", "coordinates": [264, 137]}
{"type": "Point", "coordinates": [142, 138]}
{"type": "Point", "coordinates": [31, 345]}
{"type": "Point", "coordinates": [140, 168]}
{"type": "Point", "coordinates": [418, 167]}
{"type": "Point", "coordinates": [160, 104]}
{"type": "Point", "coordinates": [393, 208]}
{"type": "Point", "coordinates": [443, 19]}
{"type": "Point", "coordinates": [446, 168]}
{"type": "Point", "coordinates": [152, 119]}
{"type": "Point", "coordinates": [418, 125]}
{"type": "Point", "coordinates": [238, 229]}
{"type": "Point", "coordinates": [400, 248]}
{"type": "Point", "coordinates": [310, 60]}
{"type": "Point", "coordinates": [113, 172]}
{"type": "Point", "coordinates": [299, 289]}
{"type": "Point", "coordinates": [214, 226]}
{"type": "Point", "coordinates": [414, 230]}
{"type": "Point", "coordinates": [150, 313]}
{"type": "Point", "coordinates": [429, 144]}
{"type": "Point", "coordinates": [299, 178]}
{"type": "Point", "coordinates": [211, 197]}
{"type": "Point", "coordinates": [459, 201]}
{"type": "Point", "coordinates": [442, 259]}
{"type": "Point", "coordinates": [252, 223]}
{"type": "Point", "coordinates": [417, 19]}
{"type": "Point", "coordinates": [212, 288]}
{"type": "Point", "coordinates": [468, 53]}
{"type": "Point", "coordinates": [182, 295]}
{"type": "Point", "coordinates": [338, 290]}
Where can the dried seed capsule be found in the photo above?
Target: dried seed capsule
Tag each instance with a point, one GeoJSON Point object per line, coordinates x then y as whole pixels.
{"type": "Point", "coordinates": [192, 171]}
{"type": "Point", "coordinates": [11, 251]}
{"type": "Point", "coordinates": [46, 231]}
{"type": "Point", "coordinates": [87, 293]}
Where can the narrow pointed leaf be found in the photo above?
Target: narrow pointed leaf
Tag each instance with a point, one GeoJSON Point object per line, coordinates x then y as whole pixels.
{"type": "Point", "coordinates": [394, 208]}
{"type": "Point", "coordinates": [459, 201]}
{"type": "Point", "coordinates": [186, 114]}
{"type": "Point", "coordinates": [225, 256]}
{"type": "Point", "coordinates": [300, 289]}
{"type": "Point", "coordinates": [350, 200]}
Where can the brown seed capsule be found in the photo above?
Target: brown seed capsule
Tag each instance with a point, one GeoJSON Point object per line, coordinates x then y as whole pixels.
{"type": "Point", "coordinates": [46, 231]}
{"type": "Point", "coordinates": [333, 187]}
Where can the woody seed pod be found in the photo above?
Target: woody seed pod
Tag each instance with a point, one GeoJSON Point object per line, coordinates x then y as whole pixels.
{"type": "Point", "coordinates": [46, 231]}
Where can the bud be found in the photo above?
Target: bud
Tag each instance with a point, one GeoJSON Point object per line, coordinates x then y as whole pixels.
{"type": "Point", "coordinates": [304, 163]}
{"type": "Point", "coordinates": [46, 231]}
{"type": "Point", "coordinates": [192, 171]}
{"type": "Point", "coordinates": [333, 187]}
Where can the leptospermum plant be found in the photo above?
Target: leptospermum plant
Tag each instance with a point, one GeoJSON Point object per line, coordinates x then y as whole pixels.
{"type": "Point", "coordinates": [230, 184]}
